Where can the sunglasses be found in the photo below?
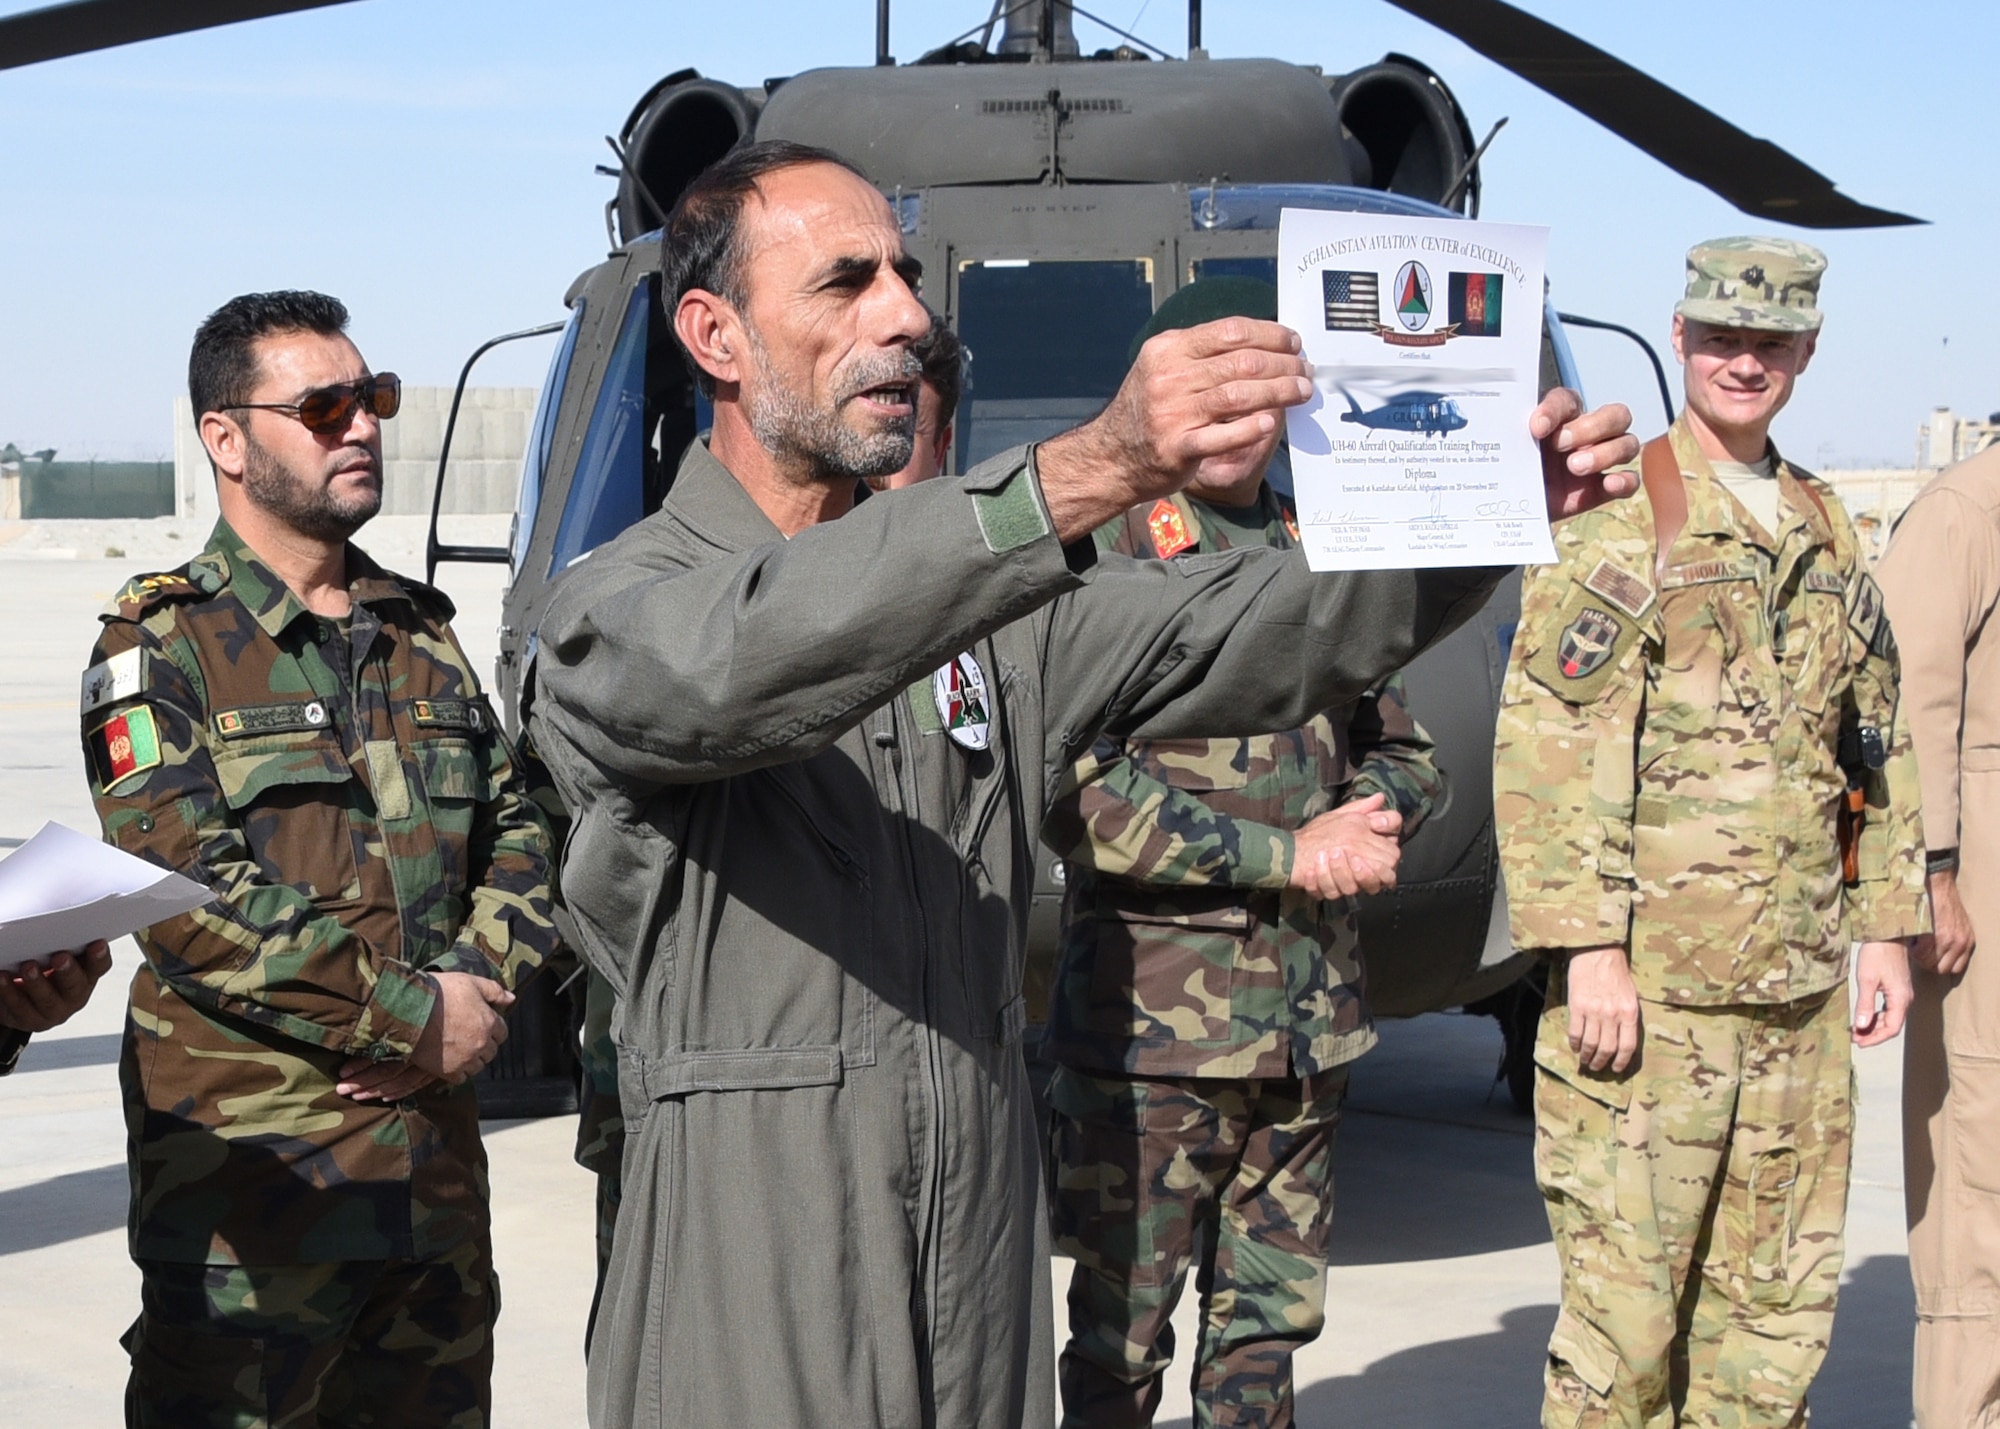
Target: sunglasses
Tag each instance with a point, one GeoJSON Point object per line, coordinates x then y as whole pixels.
{"type": "Point", "coordinates": [327, 410]}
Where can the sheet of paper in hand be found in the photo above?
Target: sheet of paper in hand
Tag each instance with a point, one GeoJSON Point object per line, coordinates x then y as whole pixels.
{"type": "Point", "coordinates": [62, 889]}
{"type": "Point", "coordinates": [1425, 338]}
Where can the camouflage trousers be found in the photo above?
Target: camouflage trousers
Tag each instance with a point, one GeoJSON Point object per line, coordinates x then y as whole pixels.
{"type": "Point", "coordinates": [600, 1124]}
{"type": "Point", "coordinates": [1148, 1172]}
{"type": "Point", "coordinates": [395, 1344]}
{"type": "Point", "coordinates": [1698, 1203]}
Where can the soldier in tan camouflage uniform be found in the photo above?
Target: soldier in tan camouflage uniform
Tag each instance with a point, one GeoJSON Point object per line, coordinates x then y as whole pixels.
{"type": "Point", "coordinates": [1209, 1000]}
{"type": "Point", "coordinates": [1670, 776]}
{"type": "Point", "coordinates": [288, 723]}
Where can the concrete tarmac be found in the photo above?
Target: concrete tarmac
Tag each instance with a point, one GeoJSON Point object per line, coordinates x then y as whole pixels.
{"type": "Point", "coordinates": [1439, 1303]}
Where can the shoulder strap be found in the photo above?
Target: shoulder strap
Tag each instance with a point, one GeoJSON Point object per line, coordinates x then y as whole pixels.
{"type": "Point", "coordinates": [1817, 500]}
{"type": "Point", "coordinates": [1666, 493]}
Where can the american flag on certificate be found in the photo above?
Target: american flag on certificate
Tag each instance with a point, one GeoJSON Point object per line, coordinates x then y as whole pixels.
{"type": "Point", "coordinates": [1351, 301]}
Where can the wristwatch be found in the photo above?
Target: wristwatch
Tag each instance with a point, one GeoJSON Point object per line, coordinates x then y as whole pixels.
{"type": "Point", "coordinates": [12, 1043]}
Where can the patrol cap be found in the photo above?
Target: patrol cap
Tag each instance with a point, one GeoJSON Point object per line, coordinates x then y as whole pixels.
{"type": "Point", "coordinates": [1771, 284]}
{"type": "Point", "coordinates": [1208, 300]}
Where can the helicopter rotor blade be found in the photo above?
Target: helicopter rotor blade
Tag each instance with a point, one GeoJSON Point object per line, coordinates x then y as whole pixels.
{"type": "Point", "coordinates": [57, 31]}
{"type": "Point", "coordinates": [1754, 174]}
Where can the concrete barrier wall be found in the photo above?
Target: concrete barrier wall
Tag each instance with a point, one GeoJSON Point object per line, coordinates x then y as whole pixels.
{"type": "Point", "coordinates": [486, 447]}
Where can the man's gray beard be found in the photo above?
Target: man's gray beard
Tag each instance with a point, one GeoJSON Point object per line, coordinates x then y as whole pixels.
{"type": "Point", "coordinates": [315, 513]}
{"type": "Point", "coordinates": [787, 425]}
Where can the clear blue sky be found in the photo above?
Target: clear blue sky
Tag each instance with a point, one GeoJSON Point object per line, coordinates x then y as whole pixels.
{"type": "Point", "coordinates": [431, 162]}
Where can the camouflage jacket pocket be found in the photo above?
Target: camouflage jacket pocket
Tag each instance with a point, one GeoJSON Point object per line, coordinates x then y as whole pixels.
{"type": "Point", "coordinates": [292, 800]}
{"type": "Point", "coordinates": [452, 769]}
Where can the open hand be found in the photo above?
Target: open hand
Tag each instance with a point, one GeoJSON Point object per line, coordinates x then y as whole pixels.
{"type": "Point", "coordinates": [1578, 448]}
{"type": "Point", "coordinates": [1882, 992]}
{"type": "Point", "coordinates": [1604, 1023]}
{"type": "Point", "coordinates": [1948, 949]}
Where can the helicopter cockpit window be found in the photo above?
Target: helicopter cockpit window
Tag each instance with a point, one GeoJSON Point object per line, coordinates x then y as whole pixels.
{"type": "Point", "coordinates": [608, 492]}
{"type": "Point", "coordinates": [541, 439]}
{"type": "Point", "coordinates": [1045, 343]}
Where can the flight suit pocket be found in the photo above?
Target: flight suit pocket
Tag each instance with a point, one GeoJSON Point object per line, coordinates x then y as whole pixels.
{"type": "Point", "coordinates": [1774, 1179]}
{"type": "Point", "coordinates": [292, 803]}
{"type": "Point", "coordinates": [1974, 1110]}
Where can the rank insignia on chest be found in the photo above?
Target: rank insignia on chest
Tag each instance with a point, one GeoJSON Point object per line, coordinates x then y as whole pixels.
{"type": "Point", "coordinates": [1169, 528]}
{"type": "Point", "coordinates": [959, 691]}
{"type": "Point", "coordinates": [126, 744]}
{"type": "Point", "coordinates": [1587, 642]}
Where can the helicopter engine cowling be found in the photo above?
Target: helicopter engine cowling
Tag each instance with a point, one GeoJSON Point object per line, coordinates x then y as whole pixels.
{"type": "Point", "coordinates": [1404, 133]}
{"type": "Point", "coordinates": [681, 126]}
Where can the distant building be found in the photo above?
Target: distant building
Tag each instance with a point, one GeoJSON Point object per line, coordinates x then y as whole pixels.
{"type": "Point", "coordinates": [1946, 440]}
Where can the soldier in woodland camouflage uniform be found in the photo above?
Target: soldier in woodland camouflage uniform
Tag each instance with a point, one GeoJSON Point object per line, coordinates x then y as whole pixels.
{"type": "Point", "coordinates": [298, 729]}
{"type": "Point", "coordinates": [1207, 1003]}
{"type": "Point", "coordinates": [1669, 779]}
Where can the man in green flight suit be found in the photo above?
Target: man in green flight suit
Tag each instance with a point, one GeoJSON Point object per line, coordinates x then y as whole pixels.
{"type": "Point", "coordinates": [296, 728]}
{"type": "Point", "coordinates": [1704, 790]}
{"type": "Point", "coordinates": [1208, 1000]}
{"type": "Point", "coordinates": [808, 745]}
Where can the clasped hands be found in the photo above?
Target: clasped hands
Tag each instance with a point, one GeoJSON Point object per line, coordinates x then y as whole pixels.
{"type": "Point", "coordinates": [464, 1033]}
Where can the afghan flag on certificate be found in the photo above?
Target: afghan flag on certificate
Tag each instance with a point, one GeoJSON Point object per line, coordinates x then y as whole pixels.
{"type": "Point", "coordinates": [1475, 303]}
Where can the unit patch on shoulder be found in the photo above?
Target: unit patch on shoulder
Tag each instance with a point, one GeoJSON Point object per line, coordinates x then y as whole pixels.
{"type": "Point", "coordinates": [270, 719]}
{"type": "Point", "coordinates": [126, 744]}
{"type": "Point", "coordinates": [113, 681]}
{"type": "Point", "coordinates": [1825, 583]}
{"type": "Point", "coordinates": [1169, 529]}
{"type": "Point", "coordinates": [1864, 610]}
{"type": "Point", "coordinates": [1588, 648]}
{"type": "Point", "coordinates": [1628, 592]}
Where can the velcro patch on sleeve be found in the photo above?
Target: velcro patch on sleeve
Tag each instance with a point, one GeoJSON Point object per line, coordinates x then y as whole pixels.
{"type": "Point", "coordinates": [287, 718]}
{"type": "Point", "coordinates": [1864, 610]}
{"type": "Point", "coordinates": [113, 681]}
{"type": "Point", "coordinates": [126, 744]}
{"type": "Point", "coordinates": [1011, 515]}
{"type": "Point", "coordinates": [1825, 583]}
{"type": "Point", "coordinates": [1631, 594]}
{"type": "Point", "coordinates": [1587, 649]}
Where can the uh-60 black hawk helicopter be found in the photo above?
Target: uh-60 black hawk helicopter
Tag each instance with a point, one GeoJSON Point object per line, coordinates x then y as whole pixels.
{"type": "Point", "coordinates": [1055, 199]}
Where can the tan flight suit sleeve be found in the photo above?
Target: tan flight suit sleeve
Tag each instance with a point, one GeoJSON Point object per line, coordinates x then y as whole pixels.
{"type": "Point", "coordinates": [1939, 578]}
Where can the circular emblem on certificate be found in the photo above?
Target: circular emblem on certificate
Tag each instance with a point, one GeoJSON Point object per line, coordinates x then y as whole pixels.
{"type": "Point", "coordinates": [1413, 296]}
{"type": "Point", "coordinates": [959, 690]}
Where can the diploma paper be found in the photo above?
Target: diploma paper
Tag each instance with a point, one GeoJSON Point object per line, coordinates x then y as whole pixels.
{"type": "Point", "coordinates": [62, 889]}
{"type": "Point", "coordinates": [1425, 338]}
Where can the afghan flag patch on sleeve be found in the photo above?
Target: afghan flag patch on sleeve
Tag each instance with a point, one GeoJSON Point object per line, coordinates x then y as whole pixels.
{"type": "Point", "coordinates": [126, 744]}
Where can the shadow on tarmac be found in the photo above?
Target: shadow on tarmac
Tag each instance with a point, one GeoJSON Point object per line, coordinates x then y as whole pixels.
{"type": "Point", "coordinates": [1496, 1378]}
{"type": "Point", "coordinates": [65, 1052]}
{"type": "Point", "coordinates": [63, 1208]}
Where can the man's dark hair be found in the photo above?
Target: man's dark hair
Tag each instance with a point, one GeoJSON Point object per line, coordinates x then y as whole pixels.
{"type": "Point", "coordinates": [701, 249]}
{"type": "Point", "coordinates": [222, 369]}
{"type": "Point", "coordinates": [943, 358]}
